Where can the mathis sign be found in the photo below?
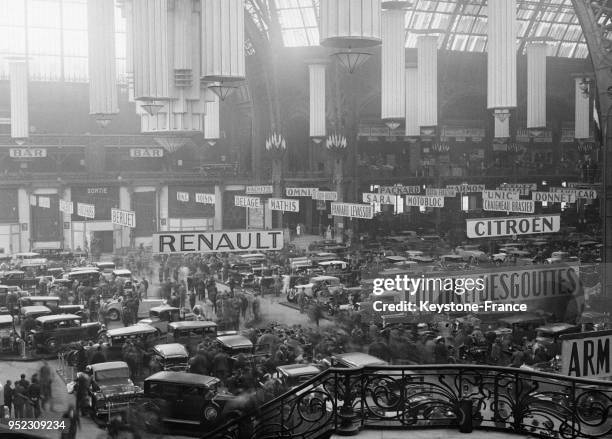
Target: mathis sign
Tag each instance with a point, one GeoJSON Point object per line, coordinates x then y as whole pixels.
{"type": "Point", "coordinates": [587, 354]}
{"type": "Point", "coordinates": [124, 218]}
{"type": "Point", "coordinates": [528, 225]}
{"type": "Point", "coordinates": [217, 242]}
{"type": "Point", "coordinates": [284, 204]}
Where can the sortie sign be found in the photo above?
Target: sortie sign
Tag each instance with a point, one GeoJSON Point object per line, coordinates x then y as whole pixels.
{"type": "Point", "coordinates": [587, 355]}
{"type": "Point", "coordinates": [217, 242]}
{"type": "Point", "coordinates": [284, 204]}
{"type": "Point", "coordinates": [529, 225]}
{"type": "Point", "coordinates": [353, 210]}
{"type": "Point", "coordinates": [123, 218]}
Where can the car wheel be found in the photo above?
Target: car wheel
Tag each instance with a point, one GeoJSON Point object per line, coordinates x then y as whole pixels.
{"type": "Point", "coordinates": [151, 417]}
{"type": "Point", "coordinates": [51, 345]}
{"type": "Point", "coordinates": [291, 295]}
{"type": "Point", "coordinates": [113, 315]}
{"type": "Point", "coordinates": [211, 415]}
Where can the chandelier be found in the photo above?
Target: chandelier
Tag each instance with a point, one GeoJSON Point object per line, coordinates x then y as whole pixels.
{"type": "Point", "coordinates": [514, 147]}
{"type": "Point", "coordinates": [350, 60]}
{"type": "Point", "coordinates": [275, 144]}
{"type": "Point", "coordinates": [586, 147]}
{"type": "Point", "coordinates": [336, 143]}
{"type": "Point", "coordinates": [103, 120]}
{"type": "Point", "coordinates": [440, 147]}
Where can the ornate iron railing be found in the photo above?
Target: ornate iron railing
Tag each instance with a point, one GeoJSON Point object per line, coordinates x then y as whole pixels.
{"type": "Point", "coordinates": [432, 396]}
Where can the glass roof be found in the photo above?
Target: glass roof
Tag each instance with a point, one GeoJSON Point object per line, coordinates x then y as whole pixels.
{"type": "Point", "coordinates": [463, 24]}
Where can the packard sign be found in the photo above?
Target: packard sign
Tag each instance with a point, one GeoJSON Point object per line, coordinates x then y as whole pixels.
{"type": "Point", "coordinates": [587, 354]}
{"type": "Point", "coordinates": [146, 153]}
{"type": "Point", "coordinates": [217, 242]}
{"type": "Point", "coordinates": [529, 225]}
{"type": "Point", "coordinates": [27, 153]}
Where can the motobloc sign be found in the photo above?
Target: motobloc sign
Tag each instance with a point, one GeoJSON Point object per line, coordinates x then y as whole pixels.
{"type": "Point", "coordinates": [529, 225]}
{"type": "Point", "coordinates": [123, 218]}
{"type": "Point", "coordinates": [518, 206]}
{"type": "Point", "coordinates": [249, 202]}
{"type": "Point", "coordinates": [300, 191]}
{"type": "Point", "coordinates": [378, 198]}
{"type": "Point", "coordinates": [553, 197]}
{"type": "Point", "coordinates": [217, 242]}
{"type": "Point", "coordinates": [421, 201]}
{"type": "Point", "coordinates": [66, 206]}
{"type": "Point", "coordinates": [353, 210]}
{"type": "Point", "coordinates": [86, 210]}
{"type": "Point", "coordinates": [587, 354]}
{"type": "Point", "coordinates": [259, 190]}
{"type": "Point", "coordinates": [205, 198]}
{"type": "Point", "coordinates": [284, 204]}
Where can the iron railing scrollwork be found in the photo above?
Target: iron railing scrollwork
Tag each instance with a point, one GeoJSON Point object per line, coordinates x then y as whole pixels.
{"type": "Point", "coordinates": [418, 397]}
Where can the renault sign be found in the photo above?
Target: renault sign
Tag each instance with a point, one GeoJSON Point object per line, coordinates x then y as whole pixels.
{"type": "Point", "coordinates": [217, 242]}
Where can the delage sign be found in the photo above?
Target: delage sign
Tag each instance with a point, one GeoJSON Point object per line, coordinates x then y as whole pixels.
{"type": "Point", "coordinates": [249, 202]}
{"type": "Point", "coordinates": [587, 355]}
{"type": "Point", "coordinates": [528, 225]}
{"type": "Point", "coordinates": [217, 242]}
{"type": "Point", "coordinates": [123, 218]}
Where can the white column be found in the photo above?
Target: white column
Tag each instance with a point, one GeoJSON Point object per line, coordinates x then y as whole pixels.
{"type": "Point", "coordinates": [211, 120]}
{"type": "Point", "coordinates": [218, 221]}
{"type": "Point", "coordinates": [317, 99]}
{"type": "Point", "coordinates": [427, 55]}
{"type": "Point", "coordinates": [125, 203]}
{"type": "Point", "coordinates": [350, 23]}
{"type": "Point", "coordinates": [20, 125]}
{"type": "Point", "coordinates": [536, 85]}
{"type": "Point", "coordinates": [23, 204]}
{"type": "Point", "coordinates": [412, 107]}
{"type": "Point", "coordinates": [501, 57]}
{"type": "Point", "coordinates": [163, 207]}
{"type": "Point", "coordinates": [129, 47]}
{"type": "Point", "coordinates": [393, 65]}
{"type": "Point", "coordinates": [66, 195]}
{"type": "Point", "coordinates": [581, 111]}
{"type": "Point", "coordinates": [502, 127]}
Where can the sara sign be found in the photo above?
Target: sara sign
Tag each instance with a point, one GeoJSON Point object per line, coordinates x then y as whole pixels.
{"type": "Point", "coordinates": [66, 206]}
{"type": "Point", "coordinates": [353, 210]}
{"type": "Point", "coordinates": [587, 354]}
{"type": "Point", "coordinates": [251, 202]}
{"type": "Point", "coordinates": [466, 188]}
{"type": "Point", "coordinates": [124, 218]}
{"type": "Point", "coordinates": [205, 198]}
{"type": "Point", "coordinates": [420, 201]}
{"type": "Point", "coordinates": [528, 225]}
{"type": "Point", "coordinates": [440, 192]}
{"type": "Point", "coordinates": [217, 242]}
{"type": "Point", "coordinates": [399, 190]}
{"type": "Point", "coordinates": [259, 190]}
{"type": "Point", "coordinates": [325, 195]}
{"type": "Point", "coordinates": [27, 153]}
{"type": "Point", "coordinates": [378, 198]}
{"type": "Point", "coordinates": [517, 206]}
{"type": "Point", "coordinates": [86, 210]}
{"type": "Point", "coordinates": [284, 204]}
{"type": "Point", "coordinates": [146, 153]}
{"type": "Point", "coordinates": [300, 191]}
{"type": "Point", "coordinates": [553, 197]}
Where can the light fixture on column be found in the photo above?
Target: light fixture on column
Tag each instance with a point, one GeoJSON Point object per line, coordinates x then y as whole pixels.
{"type": "Point", "coordinates": [585, 147]}
{"type": "Point", "coordinates": [151, 107]}
{"type": "Point", "coordinates": [351, 60]}
{"type": "Point", "coordinates": [223, 90]}
{"type": "Point", "coordinates": [103, 120]}
{"type": "Point", "coordinates": [275, 144]}
{"type": "Point", "coordinates": [317, 140]}
{"type": "Point", "coordinates": [336, 143]}
{"type": "Point", "coordinates": [440, 147]}
{"type": "Point", "coordinates": [20, 141]}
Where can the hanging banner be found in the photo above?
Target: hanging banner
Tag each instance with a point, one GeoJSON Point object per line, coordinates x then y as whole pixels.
{"type": "Point", "coordinates": [300, 191]}
{"type": "Point", "coordinates": [399, 189]}
{"type": "Point", "coordinates": [421, 201]}
{"type": "Point", "coordinates": [553, 197]}
{"type": "Point", "coordinates": [33, 201]}
{"type": "Point", "coordinates": [517, 206]}
{"type": "Point", "coordinates": [123, 218]}
{"type": "Point", "coordinates": [27, 153]}
{"type": "Point", "coordinates": [440, 192]}
{"type": "Point", "coordinates": [284, 204]}
{"type": "Point", "coordinates": [379, 198]}
{"type": "Point", "coordinates": [522, 188]}
{"type": "Point", "coordinates": [66, 206]}
{"type": "Point", "coordinates": [466, 188]}
{"type": "Point", "coordinates": [86, 210]}
{"type": "Point", "coordinates": [250, 202]}
{"type": "Point", "coordinates": [500, 195]}
{"type": "Point", "coordinates": [259, 190]}
{"type": "Point", "coordinates": [182, 196]}
{"type": "Point", "coordinates": [205, 198]}
{"type": "Point", "coordinates": [587, 354]}
{"type": "Point", "coordinates": [353, 210]}
{"type": "Point", "coordinates": [146, 153]}
{"type": "Point", "coordinates": [589, 194]}
{"type": "Point", "coordinates": [530, 225]}
{"type": "Point", "coordinates": [44, 202]}
{"type": "Point", "coordinates": [325, 195]}
{"type": "Point", "coordinates": [217, 242]}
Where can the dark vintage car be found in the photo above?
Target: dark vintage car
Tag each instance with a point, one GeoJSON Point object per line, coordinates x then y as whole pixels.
{"type": "Point", "coordinates": [145, 335]}
{"type": "Point", "coordinates": [6, 306]}
{"type": "Point", "coordinates": [171, 356]}
{"type": "Point", "coordinates": [293, 375]}
{"type": "Point", "coordinates": [8, 335]}
{"type": "Point", "coordinates": [34, 311]}
{"type": "Point", "coordinates": [51, 332]}
{"type": "Point", "coordinates": [111, 390]}
{"type": "Point", "coordinates": [51, 302]}
{"type": "Point", "coordinates": [18, 278]}
{"type": "Point", "coordinates": [161, 316]}
{"type": "Point", "coordinates": [187, 398]}
{"type": "Point", "coordinates": [191, 333]}
{"type": "Point", "coordinates": [235, 344]}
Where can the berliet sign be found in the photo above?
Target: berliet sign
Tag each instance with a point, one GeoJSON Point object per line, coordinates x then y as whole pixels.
{"type": "Point", "coordinates": [519, 225]}
{"type": "Point", "coordinates": [217, 242]}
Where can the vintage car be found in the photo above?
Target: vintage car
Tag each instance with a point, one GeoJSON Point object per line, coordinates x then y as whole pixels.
{"type": "Point", "coordinates": [51, 302]}
{"type": "Point", "coordinates": [18, 278]}
{"type": "Point", "coordinates": [471, 253]}
{"type": "Point", "coordinates": [8, 335]}
{"type": "Point", "coordinates": [5, 290]}
{"type": "Point", "coordinates": [145, 335]}
{"type": "Point", "coordinates": [293, 375]}
{"type": "Point", "coordinates": [191, 333]}
{"type": "Point", "coordinates": [71, 309]}
{"type": "Point", "coordinates": [187, 398]}
{"type": "Point", "coordinates": [88, 276]}
{"type": "Point", "coordinates": [111, 390]}
{"type": "Point", "coordinates": [161, 316]}
{"type": "Point", "coordinates": [356, 359]}
{"type": "Point", "coordinates": [235, 344]}
{"type": "Point", "coordinates": [144, 307]}
{"type": "Point", "coordinates": [105, 267]}
{"type": "Point", "coordinates": [314, 285]}
{"type": "Point", "coordinates": [34, 311]}
{"type": "Point", "coordinates": [51, 332]}
{"type": "Point", "coordinates": [171, 356]}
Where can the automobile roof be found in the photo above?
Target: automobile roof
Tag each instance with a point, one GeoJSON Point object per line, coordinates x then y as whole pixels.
{"type": "Point", "coordinates": [193, 324]}
{"type": "Point", "coordinates": [235, 340]}
{"type": "Point", "coordinates": [357, 359]}
{"type": "Point", "coordinates": [108, 365]}
{"type": "Point", "coordinates": [183, 378]}
{"type": "Point", "coordinates": [138, 328]}
{"type": "Point", "coordinates": [171, 350]}
{"type": "Point", "coordinates": [57, 318]}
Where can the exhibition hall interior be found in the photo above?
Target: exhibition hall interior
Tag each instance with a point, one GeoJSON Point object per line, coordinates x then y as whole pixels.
{"type": "Point", "coordinates": [258, 219]}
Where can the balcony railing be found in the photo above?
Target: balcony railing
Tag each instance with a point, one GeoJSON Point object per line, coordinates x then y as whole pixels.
{"type": "Point", "coordinates": [433, 396]}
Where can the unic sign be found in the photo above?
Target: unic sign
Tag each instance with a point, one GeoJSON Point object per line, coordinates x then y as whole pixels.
{"type": "Point", "coordinates": [529, 225]}
{"type": "Point", "coordinates": [217, 242]}
{"type": "Point", "coordinates": [587, 355]}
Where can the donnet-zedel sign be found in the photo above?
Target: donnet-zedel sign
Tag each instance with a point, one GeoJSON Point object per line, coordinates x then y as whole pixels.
{"type": "Point", "coordinates": [205, 198]}
{"type": "Point", "coordinates": [284, 204]}
{"type": "Point", "coordinates": [325, 195]}
{"type": "Point", "coordinates": [378, 198]}
{"type": "Point", "coordinates": [500, 195]}
{"type": "Point", "coordinates": [353, 210]}
{"type": "Point", "coordinates": [421, 201]}
{"type": "Point", "coordinates": [66, 206]}
{"type": "Point", "coordinates": [587, 354]}
{"type": "Point", "coordinates": [300, 191]}
{"type": "Point", "coordinates": [249, 202]}
{"type": "Point", "coordinates": [125, 218]}
{"type": "Point", "coordinates": [589, 194]}
{"type": "Point", "coordinates": [259, 190]}
{"type": "Point", "coordinates": [217, 242]}
{"type": "Point", "coordinates": [553, 197]}
{"type": "Point", "coordinates": [86, 210]}
{"type": "Point", "coordinates": [440, 192]}
{"type": "Point", "coordinates": [517, 206]}
{"type": "Point", "coordinates": [529, 225]}
{"type": "Point", "coordinates": [466, 188]}
{"type": "Point", "coordinates": [399, 190]}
